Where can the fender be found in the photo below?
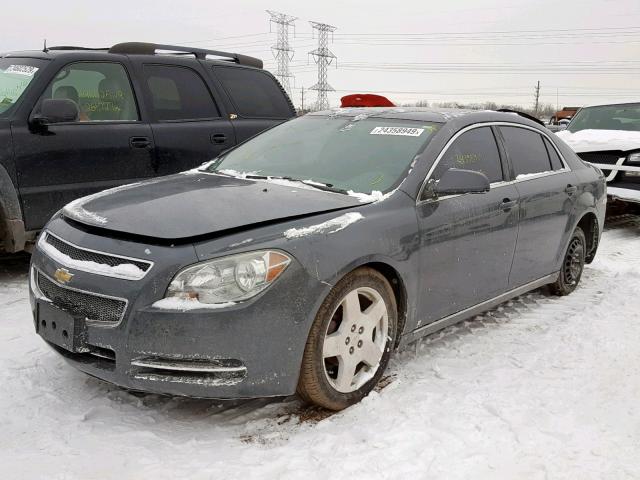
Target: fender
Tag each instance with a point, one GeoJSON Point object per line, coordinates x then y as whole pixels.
{"type": "Point", "coordinates": [12, 231]}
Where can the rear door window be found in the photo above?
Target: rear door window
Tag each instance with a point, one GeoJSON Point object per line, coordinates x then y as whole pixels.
{"type": "Point", "coordinates": [556, 163]}
{"type": "Point", "coordinates": [526, 150]}
{"type": "Point", "coordinates": [254, 93]}
{"type": "Point", "coordinates": [473, 150]}
{"type": "Point", "coordinates": [178, 93]}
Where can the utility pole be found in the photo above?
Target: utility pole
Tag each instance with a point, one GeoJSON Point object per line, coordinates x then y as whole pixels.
{"type": "Point", "coordinates": [323, 58]}
{"type": "Point", "coordinates": [281, 50]}
{"type": "Point", "coordinates": [537, 98]}
{"type": "Point", "coordinates": [302, 100]}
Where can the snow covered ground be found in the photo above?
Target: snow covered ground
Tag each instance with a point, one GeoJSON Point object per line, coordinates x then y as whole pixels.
{"type": "Point", "coordinates": [541, 387]}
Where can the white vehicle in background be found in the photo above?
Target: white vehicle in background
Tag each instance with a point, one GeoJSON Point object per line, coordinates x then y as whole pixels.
{"type": "Point", "coordinates": [608, 136]}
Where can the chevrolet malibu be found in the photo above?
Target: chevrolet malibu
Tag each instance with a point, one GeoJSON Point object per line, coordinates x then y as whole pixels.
{"type": "Point", "coordinates": [301, 259]}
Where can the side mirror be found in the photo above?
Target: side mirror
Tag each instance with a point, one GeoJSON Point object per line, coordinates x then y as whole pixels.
{"type": "Point", "coordinates": [456, 181]}
{"type": "Point", "coordinates": [56, 110]}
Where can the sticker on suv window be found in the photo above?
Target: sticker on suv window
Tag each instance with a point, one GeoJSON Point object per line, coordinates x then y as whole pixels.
{"type": "Point", "coordinates": [402, 131]}
{"type": "Point", "coordinates": [22, 70]}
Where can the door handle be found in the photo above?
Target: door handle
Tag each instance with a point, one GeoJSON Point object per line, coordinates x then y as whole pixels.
{"type": "Point", "coordinates": [507, 204]}
{"type": "Point", "coordinates": [139, 142]}
{"type": "Point", "coordinates": [218, 138]}
{"type": "Point", "coordinates": [571, 189]}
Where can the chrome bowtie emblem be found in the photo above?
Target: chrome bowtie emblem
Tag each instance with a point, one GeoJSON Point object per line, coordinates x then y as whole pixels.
{"type": "Point", "coordinates": [63, 275]}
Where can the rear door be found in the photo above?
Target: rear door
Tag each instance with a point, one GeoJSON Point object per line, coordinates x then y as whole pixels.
{"type": "Point", "coordinates": [258, 100]}
{"type": "Point", "coordinates": [467, 241]}
{"type": "Point", "coordinates": [107, 145]}
{"type": "Point", "coordinates": [188, 127]}
{"type": "Point", "coordinates": [547, 190]}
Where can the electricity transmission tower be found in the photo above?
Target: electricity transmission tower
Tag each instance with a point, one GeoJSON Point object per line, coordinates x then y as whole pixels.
{"type": "Point", "coordinates": [537, 98]}
{"type": "Point", "coordinates": [323, 58]}
{"type": "Point", "coordinates": [281, 50]}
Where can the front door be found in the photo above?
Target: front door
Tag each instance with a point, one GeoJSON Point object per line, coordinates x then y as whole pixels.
{"type": "Point", "coordinates": [107, 145]}
{"type": "Point", "coordinates": [187, 125]}
{"type": "Point", "coordinates": [467, 241]}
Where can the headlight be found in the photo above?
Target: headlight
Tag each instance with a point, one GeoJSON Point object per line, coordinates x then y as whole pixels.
{"type": "Point", "coordinates": [229, 279]}
{"type": "Point", "coordinates": [634, 158]}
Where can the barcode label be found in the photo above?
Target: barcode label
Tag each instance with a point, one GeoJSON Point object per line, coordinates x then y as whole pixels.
{"type": "Point", "coordinates": [401, 131]}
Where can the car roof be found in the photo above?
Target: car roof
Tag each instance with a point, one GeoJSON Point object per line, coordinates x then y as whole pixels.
{"type": "Point", "coordinates": [424, 114]}
{"type": "Point", "coordinates": [617, 104]}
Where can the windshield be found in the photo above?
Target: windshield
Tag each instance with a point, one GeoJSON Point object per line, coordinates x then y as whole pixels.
{"type": "Point", "coordinates": [372, 154]}
{"type": "Point", "coordinates": [607, 117]}
{"type": "Point", "coordinates": [15, 76]}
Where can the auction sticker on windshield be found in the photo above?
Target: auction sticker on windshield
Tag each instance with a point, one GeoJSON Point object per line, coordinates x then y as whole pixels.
{"type": "Point", "coordinates": [402, 131]}
{"type": "Point", "coordinates": [22, 70]}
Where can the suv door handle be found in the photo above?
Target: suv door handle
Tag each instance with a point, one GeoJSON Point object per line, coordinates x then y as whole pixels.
{"type": "Point", "coordinates": [218, 138]}
{"type": "Point", "coordinates": [139, 142]}
{"type": "Point", "coordinates": [507, 204]}
{"type": "Point", "coordinates": [571, 189]}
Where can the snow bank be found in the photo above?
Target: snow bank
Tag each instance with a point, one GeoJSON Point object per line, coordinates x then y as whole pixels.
{"type": "Point", "coordinates": [182, 304]}
{"type": "Point", "coordinates": [330, 226]}
{"type": "Point", "coordinates": [597, 140]}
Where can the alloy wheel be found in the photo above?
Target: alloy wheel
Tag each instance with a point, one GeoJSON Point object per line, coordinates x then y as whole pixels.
{"type": "Point", "coordinates": [355, 339]}
{"type": "Point", "coordinates": [573, 262]}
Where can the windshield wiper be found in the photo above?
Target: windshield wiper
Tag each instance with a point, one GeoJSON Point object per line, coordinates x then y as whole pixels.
{"type": "Point", "coordinates": [327, 187]}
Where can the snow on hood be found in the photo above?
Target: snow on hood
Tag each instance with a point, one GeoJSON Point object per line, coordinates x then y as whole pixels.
{"type": "Point", "coordinates": [330, 226]}
{"type": "Point", "coordinates": [600, 140]}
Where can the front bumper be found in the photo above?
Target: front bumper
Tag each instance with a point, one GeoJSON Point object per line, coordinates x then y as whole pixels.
{"type": "Point", "coordinates": [252, 349]}
{"type": "Point", "coordinates": [619, 186]}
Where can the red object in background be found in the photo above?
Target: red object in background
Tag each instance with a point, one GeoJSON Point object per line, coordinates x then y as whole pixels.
{"type": "Point", "coordinates": [365, 100]}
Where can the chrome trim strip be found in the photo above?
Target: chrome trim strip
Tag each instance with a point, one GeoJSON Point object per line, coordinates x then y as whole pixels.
{"type": "Point", "coordinates": [59, 257]}
{"type": "Point", "coordinates": [85, 292]}
{"type": "Point", "coordinates": [477, 309]}
{"type": "Point", "coordinates": [168, 365]}
{"type": "Point", "coordinates": [505, 182]}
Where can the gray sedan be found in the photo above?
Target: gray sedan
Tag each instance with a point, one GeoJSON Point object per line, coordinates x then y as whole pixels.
{"type": "Point", "coordinates": [299, 260]}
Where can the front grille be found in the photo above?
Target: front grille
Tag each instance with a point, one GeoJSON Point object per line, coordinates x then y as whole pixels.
{"type": "Point", "coordinates": [608, 158]}
{"type": "Point", "coordinates": [84, 304]}
{"type": "Point", "coordinates": [81, 254]}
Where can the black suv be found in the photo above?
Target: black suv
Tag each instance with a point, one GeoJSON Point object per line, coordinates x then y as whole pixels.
{"type": "Point", "coordinates": [74, 121]}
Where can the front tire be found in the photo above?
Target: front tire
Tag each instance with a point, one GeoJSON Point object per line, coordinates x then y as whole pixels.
{"type": "Point", "coordinates": [350, 341]}
{"type": "Point", "coordinates": [572, 265]}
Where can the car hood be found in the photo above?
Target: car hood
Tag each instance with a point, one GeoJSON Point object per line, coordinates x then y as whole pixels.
{"type": "Point", "coordinates": [196, 204]}
{"type": "Point", "coordinates": [601, 140]}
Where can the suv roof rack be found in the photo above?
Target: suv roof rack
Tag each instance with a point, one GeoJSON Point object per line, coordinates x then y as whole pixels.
{"type": "Point", "coordinates": [141, 48]}
{"type": "Point", "coordinates": [69, 47]}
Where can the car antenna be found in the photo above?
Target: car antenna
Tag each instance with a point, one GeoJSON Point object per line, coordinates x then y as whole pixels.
{"type": "Point", "coordinates": [45, 49]}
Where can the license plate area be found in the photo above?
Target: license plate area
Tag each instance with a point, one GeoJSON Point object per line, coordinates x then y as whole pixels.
{"type": "Point", "coordinates": [61, 328]}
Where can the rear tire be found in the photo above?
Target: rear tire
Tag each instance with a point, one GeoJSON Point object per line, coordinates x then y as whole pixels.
{"type": "Point", "coordinates": [572, 265]}
{"type": "Point", "coordinates": [350, 341]}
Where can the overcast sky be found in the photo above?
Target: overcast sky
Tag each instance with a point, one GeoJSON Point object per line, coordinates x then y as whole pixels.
{"type": "Point", "coordinates": [582, 52]}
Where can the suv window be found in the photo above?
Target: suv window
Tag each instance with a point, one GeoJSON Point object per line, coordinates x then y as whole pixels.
{"type": "Point", "coordinates": [556, 163]}
{"type": "Point", "coordinates": [102, 91]}
{"type": "Point", "coordinates": [178, 93]}
{"type": "Point", "coordinates": [255, 93]}
{"type": "Point", "coordinates": [473, 150]}
{"type": "Point", "coordinates": [526, 150]}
